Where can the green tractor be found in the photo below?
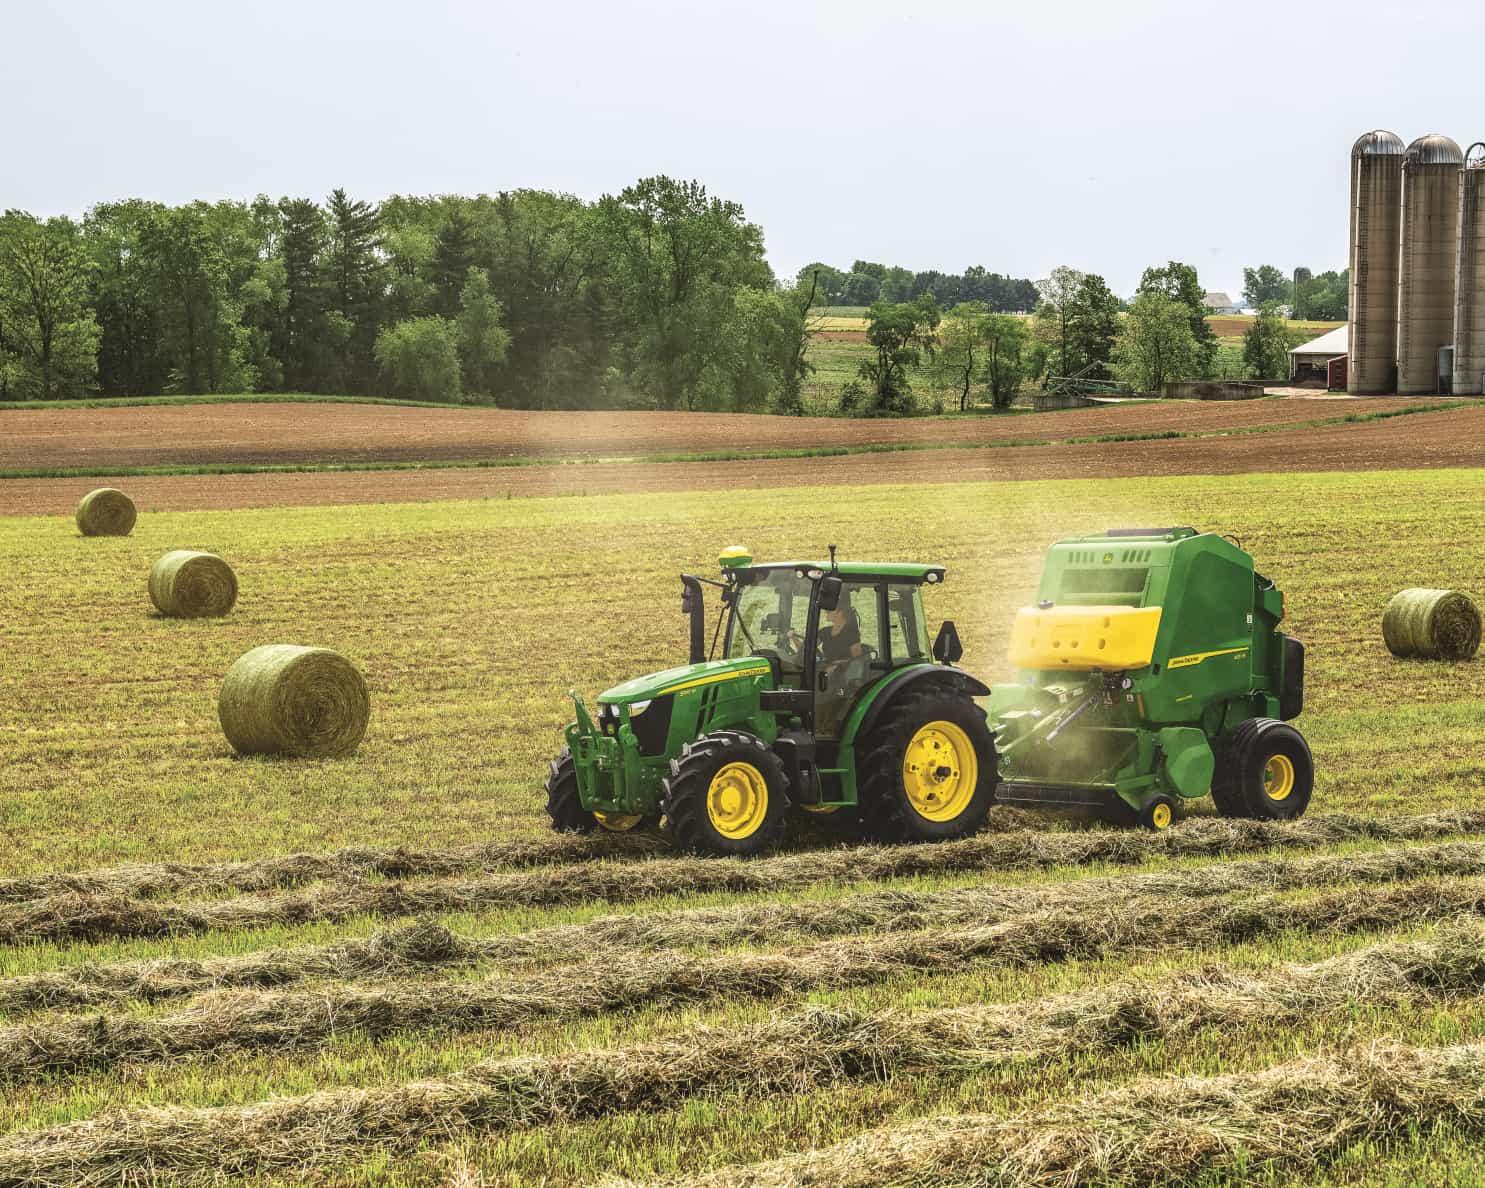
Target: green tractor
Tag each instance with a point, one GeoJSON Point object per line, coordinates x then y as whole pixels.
{"type": "Point", "coordinates": [1153, 671]}
{"type": "Point", "coordinates": [825, 697]}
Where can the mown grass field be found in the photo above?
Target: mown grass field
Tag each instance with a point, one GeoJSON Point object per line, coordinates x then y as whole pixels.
{"type": "Point", "coordinates": [471, 620]}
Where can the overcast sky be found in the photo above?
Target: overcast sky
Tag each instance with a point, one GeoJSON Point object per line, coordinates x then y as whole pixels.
{"type": "Point", "coordinates": [1105, 135]}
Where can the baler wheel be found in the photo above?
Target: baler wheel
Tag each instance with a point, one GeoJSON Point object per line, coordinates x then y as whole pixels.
{"type": "Point", "coordinates": [1269, 772]}
{"type": "Point", "coordinates": [1157, 813]}
{"type": "Point", "coordinates": [564, 805]}
{"type": "Point", "coordinates": [726, 794]}
{"type": "Point", "coordinates": [928, 770]}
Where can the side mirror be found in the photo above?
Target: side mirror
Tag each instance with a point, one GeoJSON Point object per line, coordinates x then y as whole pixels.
{"type": "Point", "coordinates": [830, 588]}
{"type": "Point", "coordinates": [693, 605]}
{"type": "Point", "coordinates": [946, 648]}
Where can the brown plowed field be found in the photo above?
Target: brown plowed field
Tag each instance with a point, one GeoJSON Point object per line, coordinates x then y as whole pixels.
{"type": "Point", "coordinates": [1428, 441]}
{"type": "Point", "coordinates": [206, 434]}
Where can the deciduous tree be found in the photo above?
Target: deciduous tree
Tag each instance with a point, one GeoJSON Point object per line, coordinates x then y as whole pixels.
{"type": "Point", "coordinates": [1155, 344]}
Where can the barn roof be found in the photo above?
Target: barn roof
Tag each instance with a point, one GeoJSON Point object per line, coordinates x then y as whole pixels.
{"type": "Point", "coordinates": [1331, 343]}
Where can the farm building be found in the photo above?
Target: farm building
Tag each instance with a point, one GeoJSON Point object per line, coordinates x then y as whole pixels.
{"type": "Point", "coordinates": [1220, 303]}
{"type": "Point", "coordinates": [1322, 358]}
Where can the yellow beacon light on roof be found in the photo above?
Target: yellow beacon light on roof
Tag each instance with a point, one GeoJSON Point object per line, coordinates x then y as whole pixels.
{"type": "Point", "coordinates": [734, 556]}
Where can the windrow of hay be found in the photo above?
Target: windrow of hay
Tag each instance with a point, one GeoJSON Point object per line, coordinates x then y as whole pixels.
{"type": "Point", "coordinates": [281, 1019]}
{"type": "Point", "coordinates": [426, 946]}
{"type": "Point", "coordinates": [283, 699]}
{"type": "Point", "coordinates": [157, 880]}
{"type": "Point", "coordinates": [85, 916]}
{"type": "Point", "coordinates": [105, 512]}
{"type": "Point", "coordinates": [1168, 1130]}
{"type": "Point", "coordinates": [1432, 624]}
{"type": "Point", "coordinates": [187, 584]}
{"type": "Point", "coordinates": [795, 1053]}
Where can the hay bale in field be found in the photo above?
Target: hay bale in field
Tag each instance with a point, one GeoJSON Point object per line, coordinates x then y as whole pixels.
{"type": "Point", "coordinates": [186, 584]}
{"type": "Point", "coordinates": [1433, 624]}
{"type": "Point", "coordinates": [105, 512]}
{"type": "Point", "coordinates": [282, 699]}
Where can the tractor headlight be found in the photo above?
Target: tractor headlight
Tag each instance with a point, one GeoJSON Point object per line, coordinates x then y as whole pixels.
{"type": "Point", "coordinates": [638, 707]}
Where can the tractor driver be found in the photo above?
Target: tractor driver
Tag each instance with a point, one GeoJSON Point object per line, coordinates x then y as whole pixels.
{"type": "Point", "coordinates": [840, 638]}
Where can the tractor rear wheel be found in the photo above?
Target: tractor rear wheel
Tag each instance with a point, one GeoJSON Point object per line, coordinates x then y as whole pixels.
{"type": "Point", "coordinates": [564, 805]}
{"type": "Point", "coordinates": [726, 794]}
{"type": "Point", "coordinates": [1267, 773]}
{"type": "Point", "coordinates": [927, 772]}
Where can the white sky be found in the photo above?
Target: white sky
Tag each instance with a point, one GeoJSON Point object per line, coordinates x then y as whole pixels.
{"type": "Point", "coordinates": [1105, 135]}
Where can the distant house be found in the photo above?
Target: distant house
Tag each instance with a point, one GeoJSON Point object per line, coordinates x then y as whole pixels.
{"type": "Point", "coordinates": [1220, 303]}
{"type": "Point", "coordinates": [1322, 358]}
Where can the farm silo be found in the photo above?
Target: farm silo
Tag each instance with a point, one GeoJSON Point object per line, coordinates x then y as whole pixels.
{"type": "Point", "coordinates": [1376, 213]}
{"type": "Point", "coordinates": [1469, 303]}
{"type": "Point", "coordinates": [1430, 247]}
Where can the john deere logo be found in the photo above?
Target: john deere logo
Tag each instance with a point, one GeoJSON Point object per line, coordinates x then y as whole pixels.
{"type": "Point", "coordinates": [1108, 558]}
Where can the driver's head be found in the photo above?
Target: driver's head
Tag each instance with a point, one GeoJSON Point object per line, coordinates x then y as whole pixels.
{"type": "Point", "coordinates": [838, 617]}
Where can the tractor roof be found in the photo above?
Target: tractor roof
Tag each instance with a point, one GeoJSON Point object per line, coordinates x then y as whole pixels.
{"type": "Point", "coordinates": [894, 570]}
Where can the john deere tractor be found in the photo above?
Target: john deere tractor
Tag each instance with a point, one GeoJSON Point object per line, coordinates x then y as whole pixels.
{"type": "Point", "coordinates": [819, 692]}
{"type": "Point", "coordinates": [1153, 670]}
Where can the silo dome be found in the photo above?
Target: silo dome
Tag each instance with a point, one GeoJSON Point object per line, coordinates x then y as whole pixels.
{"type": "Point", "coordinates": [1380, 143]}
{"type": "Point", "coordinates": [1435, 149]}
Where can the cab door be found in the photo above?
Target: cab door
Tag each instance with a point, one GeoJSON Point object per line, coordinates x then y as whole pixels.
{"type": "Point", "coordinates": [848, 652]}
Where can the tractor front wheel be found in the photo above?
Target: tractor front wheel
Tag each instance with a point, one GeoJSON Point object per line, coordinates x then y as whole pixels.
{"type": "Point", "coordinates": [564, 805]}
{"type": "Point", "coordinates": [726, 794]}
{"type": "Point", "coordinates": [1267, 772]}
{"type": "Point", "coordinates": [928, 770]}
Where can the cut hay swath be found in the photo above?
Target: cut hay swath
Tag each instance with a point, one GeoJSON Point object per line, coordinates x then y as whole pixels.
{"type": "Point", "coordinates": [283, 699]}
{"type": "Point", "coordinates": [83, 916]}
{"type": "Point", "coordinates": [426, 947]}
{"type": "Point", "coordinates": [298, 1019]}
{"type": "Point", "coordinates": [188, 584]}
{"type": "Point", "coordinates": [155, 880]}
{"type": "Point", "coordinates": [796, 1053]}
{"type": "Point", "coordinates": [105, 512]}
{"type": "Point", "coordinates": [1170, 1130]}
{"type": "Point", "coordinates": [1432, 624]}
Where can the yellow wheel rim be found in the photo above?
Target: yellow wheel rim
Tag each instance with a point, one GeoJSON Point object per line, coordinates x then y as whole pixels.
{"type": "Point", "coordinates": [1160, 816]}
{"type": "Point", "coordinates": [617, 822]}
{"type": "Point", "coordinates": [737, 801]}
{"type": "Point", "coordinates": [1278, 777]}
{"type": "Point", "coordinates": [940, 771]}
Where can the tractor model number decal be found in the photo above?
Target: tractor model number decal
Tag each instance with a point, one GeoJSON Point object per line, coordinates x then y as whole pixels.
{"type": "Point", "coordinates": [1198, 657]}
{"type": "Point", "coordinates": [711, 680]}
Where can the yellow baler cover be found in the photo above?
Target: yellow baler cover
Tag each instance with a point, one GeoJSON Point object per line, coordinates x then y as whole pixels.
{"type": "Point", "coordinates": [1084, 638]}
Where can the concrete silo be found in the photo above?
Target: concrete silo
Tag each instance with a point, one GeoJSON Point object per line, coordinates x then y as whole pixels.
{"type": "Point", "coordinates": [1376, 219]}
{"type": "Point", "coordinates": [1469, 301]}
{"type": "Point", "coordinates": [1430, 249]}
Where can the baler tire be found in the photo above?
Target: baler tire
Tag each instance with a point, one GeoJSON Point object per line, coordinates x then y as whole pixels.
{"type": "Point", "coordinates": [1256, 745]}
{"type": "Point", "coordinates": [1158, 813]}
{"type": "Point", "coordinates": [886, 806]}
{"type": "Point", "coordinates": [685, 794]}
{"type": "Point", "coordinates": [564, 804]}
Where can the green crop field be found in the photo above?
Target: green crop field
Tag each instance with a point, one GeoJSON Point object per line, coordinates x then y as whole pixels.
{"type": "Point", "coordinates": [562, 1012]}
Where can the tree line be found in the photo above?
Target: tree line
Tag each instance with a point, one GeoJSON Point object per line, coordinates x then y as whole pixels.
{"type": "Point", "coordinates": [659, 296]}
{"type": "Point", "coordinates": [1303, 294]}
{"type": "Point", "coordinates": [865, 283]}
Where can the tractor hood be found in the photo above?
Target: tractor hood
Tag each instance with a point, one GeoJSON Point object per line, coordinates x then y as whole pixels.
{"type": "Point", "coordinates": [687, 676]}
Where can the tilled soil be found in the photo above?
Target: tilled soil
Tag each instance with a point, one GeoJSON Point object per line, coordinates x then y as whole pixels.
{"type": "Point", "coordinates": [1433, 440]}
{"type": "Point", "coordinates": [246, 433]}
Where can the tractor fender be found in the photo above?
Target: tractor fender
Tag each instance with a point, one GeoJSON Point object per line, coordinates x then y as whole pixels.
{"type": "Point", "coordinates": [880, 696]}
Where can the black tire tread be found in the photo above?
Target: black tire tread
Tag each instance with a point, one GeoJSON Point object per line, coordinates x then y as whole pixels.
{"type": "Point", "coordinates": [884, 809]}
{"type": "Point", "coordinates": [564, 805]}
{"type": "Point", "coordinates": [683, 791]}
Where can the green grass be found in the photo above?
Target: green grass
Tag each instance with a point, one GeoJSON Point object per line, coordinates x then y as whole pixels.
{"type": "Point", "coordinates": [472, 619]}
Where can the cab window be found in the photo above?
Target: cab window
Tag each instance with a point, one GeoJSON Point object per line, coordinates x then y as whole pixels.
{"type": "Point", "coordinates": [908, 631]}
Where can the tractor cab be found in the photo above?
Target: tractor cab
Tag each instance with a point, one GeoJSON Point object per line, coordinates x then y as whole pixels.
{"type": "Point", "coordinates": [827, 630]}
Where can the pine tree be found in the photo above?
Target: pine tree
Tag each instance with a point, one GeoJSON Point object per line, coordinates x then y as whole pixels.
{"type": "Point", "coordinates": [355, 283]}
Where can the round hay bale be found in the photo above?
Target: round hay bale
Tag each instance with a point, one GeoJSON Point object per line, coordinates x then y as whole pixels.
{"type": "Point", "coordinates": [105, 512]}
{"type": "Point", "coordinates": [282, 699]}
{"type": "Point", "coordinates": [186, 584]}
{"type": "Point", "coordinates": [1433, 624]}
